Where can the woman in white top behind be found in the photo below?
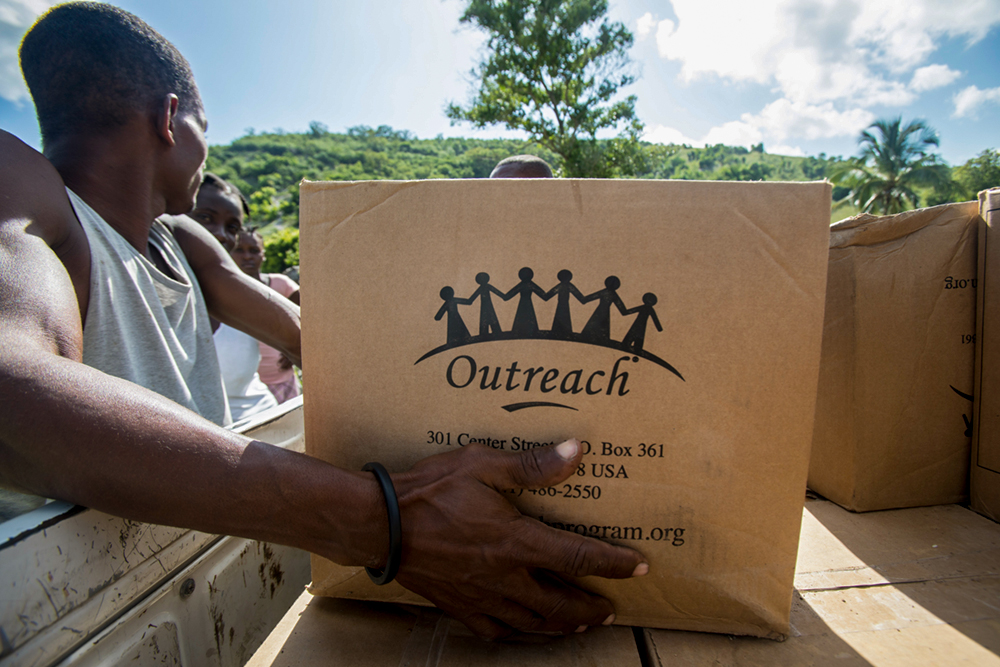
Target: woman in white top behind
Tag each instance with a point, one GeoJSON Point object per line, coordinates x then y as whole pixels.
{"type": "Point", "coordinates": [275, 369]}
{"type": "Point", "coordinates": [221, 209]}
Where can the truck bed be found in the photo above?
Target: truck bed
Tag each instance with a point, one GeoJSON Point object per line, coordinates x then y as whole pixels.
{"type": "Point", "coordinates": [899, 587]}
{"type": "Point", "coordinates": [895, 588]}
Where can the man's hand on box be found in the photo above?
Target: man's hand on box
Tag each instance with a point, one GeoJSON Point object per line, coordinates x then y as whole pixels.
{"type": "Point", "coordinates": [474, 555]}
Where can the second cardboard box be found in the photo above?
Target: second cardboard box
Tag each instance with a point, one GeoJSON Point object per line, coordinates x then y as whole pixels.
{"type": "Point", "coordinates": [894, 411]}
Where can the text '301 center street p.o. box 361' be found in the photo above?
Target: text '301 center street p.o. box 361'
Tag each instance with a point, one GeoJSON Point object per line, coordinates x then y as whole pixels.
{"type": "Point", "coordinates": [673, 327]}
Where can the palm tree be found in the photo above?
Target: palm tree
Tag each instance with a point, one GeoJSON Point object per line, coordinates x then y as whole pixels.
{"type": "Point", "coordinates": [894, 161]}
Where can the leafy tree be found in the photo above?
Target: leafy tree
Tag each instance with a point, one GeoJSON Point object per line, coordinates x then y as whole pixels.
{"type": "Point", "coordinates": [893, 163]}
{"type": "Point", "coordinates": [262, 208]}
{"type": "Point", "coordinates": [383, 131]}
{"type": "Point", "coordinates": [622, 156]}
{"type": "Point", "coordinates": [281, 250]}
{"type": "Point", "coordinates": [482, 160]}
{"type": "Point", "coordinates": [980, 173]}
{"type": "Point", "coordinates": [757, 171]}
{"type": "Point", "coordinates": [553, 71]}
{"type": "Point", "coordinates": [786, 170]}
{"type": "Point", "coordinates": [817, 168]}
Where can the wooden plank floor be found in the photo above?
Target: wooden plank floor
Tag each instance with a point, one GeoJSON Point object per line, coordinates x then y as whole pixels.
{"type": "Point", "coordinates": [902, 587]}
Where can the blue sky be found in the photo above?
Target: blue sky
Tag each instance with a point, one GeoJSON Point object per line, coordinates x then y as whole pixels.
{"type": "Point", "coordinates": [802, 76]}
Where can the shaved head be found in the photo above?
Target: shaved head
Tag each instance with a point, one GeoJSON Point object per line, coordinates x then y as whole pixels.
{"type": "Point", "coordinates": [90, 66]}
{"type": "Point", "coordinates": [522, 166]}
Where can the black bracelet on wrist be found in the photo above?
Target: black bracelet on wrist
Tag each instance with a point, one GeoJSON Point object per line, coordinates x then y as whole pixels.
{"type": "Point", "coordinates": [395, 526]}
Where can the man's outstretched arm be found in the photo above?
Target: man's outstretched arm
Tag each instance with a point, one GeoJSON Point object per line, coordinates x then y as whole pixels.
{"type": "Point", "coordinates": [70, 432]}
{"type": "Point", "coordinates": [109, 445]}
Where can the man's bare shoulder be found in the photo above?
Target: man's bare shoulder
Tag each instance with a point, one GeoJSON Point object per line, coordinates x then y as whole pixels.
{"type": "Point", "coordinates": [32, 191]}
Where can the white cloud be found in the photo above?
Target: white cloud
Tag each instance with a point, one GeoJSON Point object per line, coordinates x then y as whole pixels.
{"type": "Point", "coordinates": [735, 133]}
{"type": "Point", "coordinates": [781, 149]}
{"type": "Point", "coordinates": [816, 51]}
{"type": "Point", "coordinates": [661, 134]}
{"type": "Point", "coordinates": [644, 25]}
{"type": "Point", "coordinates": [778, 122]}
{"type": "Point", "coordinates": [729, 41]}
{"type": "Point", "coordinates": [664, 29]}
{"type": "Point", "coordinates": [968, 101]}
{"type": "Point", "coordinates": [902, 38]}
{"type": "Point", "coordinates": [16, 16]}
{"type": "Point", "coordinates": [933, 76]}
{"type": "Point", "coordinates": [783, 119]}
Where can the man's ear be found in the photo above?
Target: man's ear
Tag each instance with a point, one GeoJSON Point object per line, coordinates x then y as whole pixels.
{"type": "Point", "coordinates": [166, 114]}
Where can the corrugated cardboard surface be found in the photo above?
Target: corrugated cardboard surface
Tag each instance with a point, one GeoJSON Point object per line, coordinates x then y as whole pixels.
{"type": "Point", "coordinates": [985, 474]}
{"type": "Point", "coordinates": [897, 588]}
{"type": "Point", "coordinates": [894, 406]}
{"type": "Point", "coordinates": [698, 437]}
{"type": "Point", "coordinates": [348, 633]}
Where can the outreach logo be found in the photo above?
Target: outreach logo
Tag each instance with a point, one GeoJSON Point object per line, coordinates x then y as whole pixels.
{"type": "Point", "coordinates": [463, 369]}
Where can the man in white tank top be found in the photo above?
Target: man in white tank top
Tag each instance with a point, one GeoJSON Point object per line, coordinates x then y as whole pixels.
{"type": "Point", "coordinates": [124, 131]}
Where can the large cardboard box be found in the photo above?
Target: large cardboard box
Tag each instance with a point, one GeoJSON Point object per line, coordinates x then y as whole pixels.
{"type": "Point", "coordinates": [985, 474]}
{"type": "Point", "coordinates": [686, 361]}
{"type": "Point", "coordinates": [894, 406]}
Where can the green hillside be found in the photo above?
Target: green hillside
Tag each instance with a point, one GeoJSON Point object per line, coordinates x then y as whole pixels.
{"type": "Point", "coordinates": [268, 167]}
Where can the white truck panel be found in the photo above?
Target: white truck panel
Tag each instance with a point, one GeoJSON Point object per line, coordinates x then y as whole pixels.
{"type": "Point", "coordinates": [73, 582]}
